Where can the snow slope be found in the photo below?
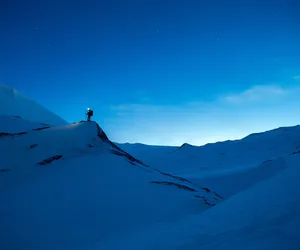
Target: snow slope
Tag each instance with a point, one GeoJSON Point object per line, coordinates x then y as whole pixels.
{"type": "Point", "coordinates": [13, 103]}
{"type": "Point", "coordinates": [69, 187]}
{"type": "Point", "coordinates": [265, 216]}
{"type": "Point", "coordinates": [227, 167]}
{"type": "Point", "coordinates": [15, 124]}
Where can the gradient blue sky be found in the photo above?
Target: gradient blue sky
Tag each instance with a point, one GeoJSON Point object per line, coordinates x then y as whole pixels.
{"type": "Point", "coordinates": [158, 72]}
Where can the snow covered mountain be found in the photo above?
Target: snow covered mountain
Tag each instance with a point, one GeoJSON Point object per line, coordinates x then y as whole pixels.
{"type": "Point", "coordinates": [69, 187]}
{"type": "Point", "coordinates": [251, 150]}
{"type": "Point", "coordinates": [259, 178]}
{"type": "Point", "coordinates": [228, 167]}
{"type": "Point", "coordinates": [13, 103]}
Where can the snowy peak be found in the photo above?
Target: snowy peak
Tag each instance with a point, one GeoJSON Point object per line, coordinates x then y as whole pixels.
{"type": "Point", "coordinates": [13, 103]}
{"type": "Point", "coordinates": [186, 145]}
{"type": "Point", "coordinates": [280, 133]}
{"type": "Point", "coordinates": [47, 145]}
{"type": "Point", "coordinates": [249, 151]}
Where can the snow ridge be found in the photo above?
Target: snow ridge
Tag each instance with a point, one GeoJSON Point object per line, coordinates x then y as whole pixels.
{"type": "Point", "coordinates": [13, 103]}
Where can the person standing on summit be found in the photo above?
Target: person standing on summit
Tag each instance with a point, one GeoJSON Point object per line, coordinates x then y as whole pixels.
{"type": "Point", "coordinates": [89, 114]}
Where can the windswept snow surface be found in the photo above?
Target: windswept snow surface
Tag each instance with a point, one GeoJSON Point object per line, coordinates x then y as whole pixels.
{"type": "Point", "coordinates": [265, 216]}
{"type": "Point", "coordinates": [13, 103]}
{"type": "Point", "coordinates": [69, 187]}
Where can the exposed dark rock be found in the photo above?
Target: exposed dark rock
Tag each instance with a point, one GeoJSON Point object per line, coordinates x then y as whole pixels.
{"type": "Point", "coordinates": [4, 170]}
{"type": "Point", "coordinates": [218, 195]}
{"type": "Point", "coordinates": [205, 200]}
{"type": "Point", "coordinates": [206, 189]}
{"type": "Point", "coordinates": [20, 133]}
{"type": "Point", "coordinates": [174, 184]}
{"type": "Point", "coordinates": [121, 152]}
{"type": "Point", "coordinates": [117, 152]}
{"type": "Point", "coordinates": [49, 160]}
{"type": "Point", "coordinates": [173, 176]}
{"type": "Point", "coordinates": [297, 152]}
{"type": "Point", "coordinates": [2, 134]}
{"type": "Point", "coordinates": [33, 145]}
{"type": "Point", "coordinates": [91, 145]}
{"type": "Point", "coordinates": [101, 134]}
{"type": "Point", "coordinates": [40, 128]}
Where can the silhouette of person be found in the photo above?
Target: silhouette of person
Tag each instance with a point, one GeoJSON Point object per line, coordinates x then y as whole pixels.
{"type": "Point", "coordinates": [89, 114]}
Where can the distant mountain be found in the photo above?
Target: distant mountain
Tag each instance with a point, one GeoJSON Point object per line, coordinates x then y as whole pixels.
{"type": "Point", "coordinates": [228, 167]}
{"type": "Point", "coordinates": [13, 103]}
{"type": "Point", "coordinates": [251, 150]}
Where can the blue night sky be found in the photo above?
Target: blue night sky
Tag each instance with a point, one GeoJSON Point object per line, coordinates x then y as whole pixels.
{"type": "Point", "coordinates": [158, 72]}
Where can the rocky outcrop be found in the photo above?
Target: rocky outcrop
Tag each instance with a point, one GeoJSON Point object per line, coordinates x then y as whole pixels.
{"type": "Point", "coordinates": [174, 184]}
{"type": "Point", "coordinates": [173, 176]}
{"type": "Point", "coordinates": [205, 200]}
{"type": "Point", "coordinates": [41, 128]}
{"type": "Point", "coordinates": [51, 159]}
{"type": "Point", "coordinates": [4, 134]}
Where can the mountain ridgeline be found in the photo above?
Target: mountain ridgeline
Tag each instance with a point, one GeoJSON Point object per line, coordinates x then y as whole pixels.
{"type": "Point", "coordinates": [68, 186]}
